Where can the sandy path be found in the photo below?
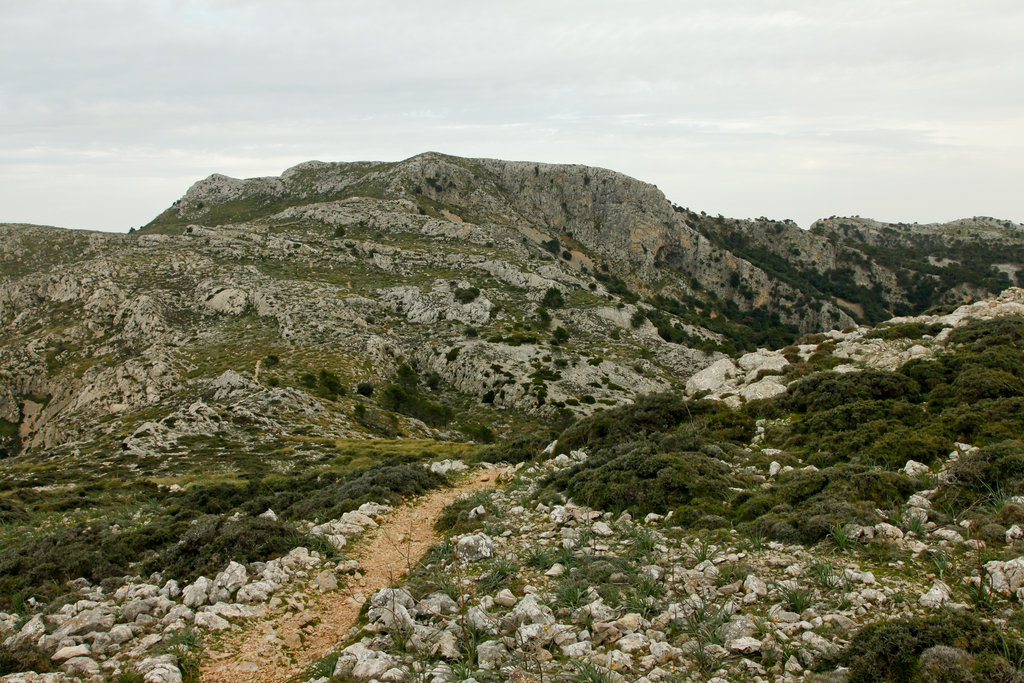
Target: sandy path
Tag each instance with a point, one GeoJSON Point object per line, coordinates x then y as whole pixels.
{"type": "Point", "coordinates": [268, 650]}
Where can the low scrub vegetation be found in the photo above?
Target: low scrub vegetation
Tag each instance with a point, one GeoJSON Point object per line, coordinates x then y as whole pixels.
{"type": "Point", "coordinates": [950, 646]}
{"type": "Point", "coordinates": [199, 530]}
{"type": "Point", "coordinates": [848, 435]}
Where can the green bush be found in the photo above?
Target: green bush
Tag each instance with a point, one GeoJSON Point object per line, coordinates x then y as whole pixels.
{"type": "Point", "coordinates": [466, 295]}
{"type": "Point", "coordinates": [649, 414]}
{"type": "Point", "coordinates": [914, 330]}
{"type": "Point", "coordinates": [830, 390]}
{"type": "Point", "coordinates": [399, 399]}
{"type": "Point", "coordinates": [891, 650]}
{"type": "Point", "coordinates": [552, 298]}
{"type": "Point", "coordinates": [988, 474]}
{"type": "Point", "coordinates": [325, 384]}
{"type": "Point", "coordinates": [207, 546]}
{"type": "Point", "coordinates": [635, 477]}
{"type": "Point", "coordinates": [976, 383]}
{"type": "Point", "coordinates": [803, 506]}
{"type": "Point", "coordinates": [979, 335]}
{"type": "Point", "coordinates": [480, 433]}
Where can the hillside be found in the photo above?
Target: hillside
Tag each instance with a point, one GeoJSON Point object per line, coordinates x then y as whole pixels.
{"type": "Point", "coordinates": [251, 381]}
{"type": "Point", "coordinates": [863, 524]}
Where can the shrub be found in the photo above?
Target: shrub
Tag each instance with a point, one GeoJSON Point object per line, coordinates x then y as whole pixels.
{"type": "Point", "coordinates": [830, 390]}
{"type": "Point", "coordinates": [650, 413]}
{"type": "Point", "coordinates": [974, 384]}
{"type": "Point", "coordinates": [364, 389]}
{"type": "Point", "coordinates": [406, 377]}
{"type": "Point", "coordinates": [979, 335]}
{"type": "Point", "coordinates": [208, 546]}
{"type": "Point", "coordinates": [552, 298]}
{"type": "Point", "coordinates": [635, 477]}
{"type": "Point", "coordinates": [480, 433]}
{"type": "Point", "coordinates": [891, 650]}
{"type": "Point", "coordinates": [914, 330]}
{"type": "Point", "coordinates": [399, 399]}
{"type": "Point", "coordinates": [984, 475]}
{"type": "Point", "coordinates": [466, 295]}
{"type": "Point", "coordinates": [326, 384]}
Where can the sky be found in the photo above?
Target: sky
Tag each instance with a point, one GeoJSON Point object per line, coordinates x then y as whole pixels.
{"type": "Point", "coordinates": [897, 110]}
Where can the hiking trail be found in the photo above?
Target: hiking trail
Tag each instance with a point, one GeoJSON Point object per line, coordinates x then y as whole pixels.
{"type": "Point", "coordinates": [284, 642]}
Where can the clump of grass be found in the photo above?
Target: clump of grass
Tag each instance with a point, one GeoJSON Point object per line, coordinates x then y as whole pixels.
{"type": "Point", "coordinates": [570, 594]}
{"type": "Point", "coordinates": [795, 598]}
{"type": "Point", "coordinates": [841, 537]}
{"type": "Point", "coordinates": [942, 560]}
{"type": "Point", "coordinates": [702, 550]}
{"type": "Point", "coordinates": [591, 673]}
{"type": "Point", "coordinates": [704, 623]}
{"type": "Point", "coordinates": [828, 575]}
{"type": "Point", "coordinates": [503, 570]}
{"type": "Point", "coordinates": [642, 543]}
{"type": "Point", "coordinates": [540, 558]}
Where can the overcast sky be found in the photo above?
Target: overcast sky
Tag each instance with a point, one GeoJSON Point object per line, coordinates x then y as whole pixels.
{"type": "Point", "coordinates": [897, 110]}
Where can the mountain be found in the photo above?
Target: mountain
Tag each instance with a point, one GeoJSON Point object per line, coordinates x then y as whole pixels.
{"type": "Point", "coordinates": [512, 291]}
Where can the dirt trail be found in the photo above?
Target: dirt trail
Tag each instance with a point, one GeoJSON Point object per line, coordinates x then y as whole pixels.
{"type": "Point", "coordinates": [269, 650]}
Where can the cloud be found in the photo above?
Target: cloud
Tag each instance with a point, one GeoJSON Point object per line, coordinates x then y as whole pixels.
{"type": "Point", "coordinates": [789, 109]}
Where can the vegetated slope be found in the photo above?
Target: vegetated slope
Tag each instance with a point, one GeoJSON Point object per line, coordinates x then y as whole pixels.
{"type": "Point", "coordinates": [877, 270]}
{"type": "Point", "coordinates": [886, 471]}
{"type": "Point", "coordinates": [864, 524]}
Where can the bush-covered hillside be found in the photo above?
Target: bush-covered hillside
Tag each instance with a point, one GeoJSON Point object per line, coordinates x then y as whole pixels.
{"type": "Point", "coordinates": [847, 437]}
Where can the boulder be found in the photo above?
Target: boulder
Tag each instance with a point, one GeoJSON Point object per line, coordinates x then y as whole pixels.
{"type": "Point", "coordinates": [211, 621]}
{"type": "Point", "coordinates": [914, 468]}
{"type": "Point", "coordinates": [491, 654]}
{"type": "Point", "coordinates": [197, 593]}
{"type": "Point", "coordinates": [712, 377]}
{"type": "Point", "coordinates": [326, 581]}
{"type": "Point", "coordinates": [936, 596]}
{"type": "Point", "coordinates": [531, 611]}
{"type": "Point", "coordinates": [69, 652]}
{"type": "Point", "coordinates": [82, 667]}
{"type": "Point", "coordinates": [162, 669]}
{"type": "Point", "coordinates": [474, 548]}
{"type": "Point", "coordinates": [744, 646]}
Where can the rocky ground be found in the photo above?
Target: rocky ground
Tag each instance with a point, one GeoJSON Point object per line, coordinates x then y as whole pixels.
{"type": "Point", "coordinates": [530, 585]}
